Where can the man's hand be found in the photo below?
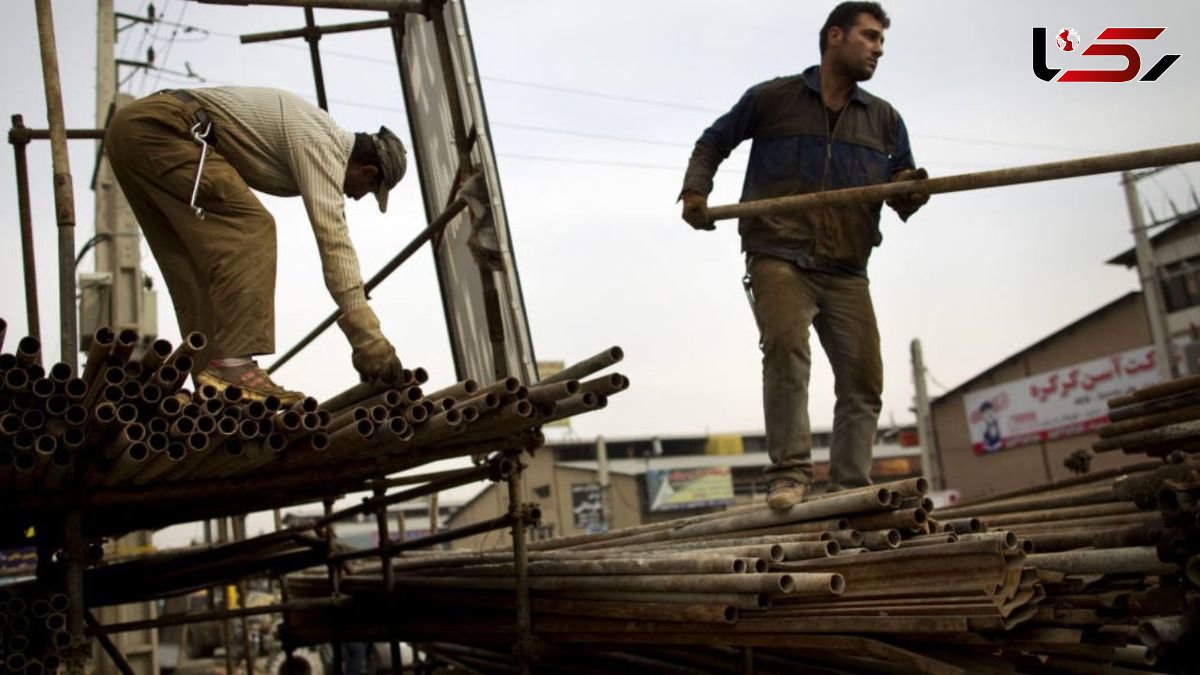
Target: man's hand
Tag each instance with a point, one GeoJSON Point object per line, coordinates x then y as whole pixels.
{"type": "Point", "coordinates": [695, 211]}
{"type": "Point", "coordinates": [906, 205]}
{"type": "Point", "coordinates": [373, 356]}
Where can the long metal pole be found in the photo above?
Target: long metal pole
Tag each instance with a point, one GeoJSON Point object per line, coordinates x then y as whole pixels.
{"type": "Point", "coordinates": [1175, 154]}
{"type": "Point", "coordinates": [524, 646]}
{"type": "Point", "coordinates": [313, 36]}
{"type": "Point", "coordinates": [76, 552]}
{"type": "Point", "coordinates": [110, 647]}
{"type": "Point", "coordinates": [413, 6]}
{"type": "Point", "coordinates": [413, 246]}
{"type": "Point", "coordinates": [334, 569]}
{"type": "Point", "coordinates": [389, 575]}
{"type": "Point", "coordinates": [184, 618]}
{"type": "Point", "coordinates": [930, 466]}
{"type": "Point", "coordinates": [251, 38]}
{"type": "Point", "coordinates": [239, 534]}
{"type": "Point", "coordinates": [64, 200]}
{"type": "Point", "coordinates": [1148, 276]}
{"type": "Point", "coordinates": [19, 142]}
{"type": "Point", "coordinates": [226, 629]}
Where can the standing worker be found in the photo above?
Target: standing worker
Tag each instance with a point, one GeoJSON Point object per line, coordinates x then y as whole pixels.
{"type": "Point", "coordinates": [187, 160]}
{"type": "Point", "coordinates": [812, 132]}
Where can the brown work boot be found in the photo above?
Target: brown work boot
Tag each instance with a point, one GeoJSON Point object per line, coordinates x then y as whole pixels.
{"type": "Point", "coordinates": [254, 382]}
{"type": "Point", "coordinates": [784, 493]}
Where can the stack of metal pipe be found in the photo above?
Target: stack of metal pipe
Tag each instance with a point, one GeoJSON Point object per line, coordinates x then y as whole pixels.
{"type": "Point", "coordinates": [128, 421]}
{"type": "Point", "coordinates": [866, 561]}
{"type": "Point", "coordinates": [1154, 420]}
{"type": "Point", "coordinates": [1117, 556]}
{"type": "Point", "coordinates": [1092, 574]}
{"type": "Point", "coordinates": [33, 629]}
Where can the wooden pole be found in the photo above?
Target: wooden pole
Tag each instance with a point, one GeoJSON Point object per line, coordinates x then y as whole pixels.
{"type": "Point", "coordinates": [64, 198]}
{"type": "Point", "coordinates": [1087, 166]}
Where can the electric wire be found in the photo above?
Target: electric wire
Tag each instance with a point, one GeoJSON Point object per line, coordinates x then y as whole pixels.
{"type": "Point", "coordinates": [170, 43]}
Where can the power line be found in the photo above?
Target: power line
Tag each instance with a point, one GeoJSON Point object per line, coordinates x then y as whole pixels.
{"type": "Point", "coordinates": [627, 99]}
{"type": "Point", "coordinates": [171, 43]}
{"type": "Point", "coordinates": [592, 162]}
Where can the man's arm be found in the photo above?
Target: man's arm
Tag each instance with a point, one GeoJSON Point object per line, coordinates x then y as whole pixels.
{"type": "Point", "coordinates": [320, 171]}
{"type": "Point", "coordinates": [713, 146]}
{"type": "Point", "coordinates": [902, 168]}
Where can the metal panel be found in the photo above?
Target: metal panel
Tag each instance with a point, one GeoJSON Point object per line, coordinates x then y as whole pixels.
{"type": "Point", "coordinates": [483, 349]}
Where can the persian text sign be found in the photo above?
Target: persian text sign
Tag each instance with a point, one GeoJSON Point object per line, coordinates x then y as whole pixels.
{"type": "Point", "coordinates": [1055, 404]}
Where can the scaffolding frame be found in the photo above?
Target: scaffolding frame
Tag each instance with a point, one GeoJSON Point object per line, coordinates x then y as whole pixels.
{"type": "Point", "coordinates": [501, 327]}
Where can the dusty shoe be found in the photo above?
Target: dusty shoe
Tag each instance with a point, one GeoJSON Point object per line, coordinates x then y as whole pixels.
{"type": "Point", "coordinates": [784, 493]}
{"type": "Point", "coordinates": [254, 382]}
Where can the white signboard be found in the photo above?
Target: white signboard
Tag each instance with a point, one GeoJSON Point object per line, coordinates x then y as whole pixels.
{"type": "Point", "coordinates": [1055, 404]}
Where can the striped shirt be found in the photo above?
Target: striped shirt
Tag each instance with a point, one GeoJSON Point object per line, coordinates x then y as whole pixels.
{"type": "Point", "coordinates": [285, 146]}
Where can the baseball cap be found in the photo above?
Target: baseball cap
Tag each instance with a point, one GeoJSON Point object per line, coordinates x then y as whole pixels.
{"type": "Point", "coordinates": [392, 163]}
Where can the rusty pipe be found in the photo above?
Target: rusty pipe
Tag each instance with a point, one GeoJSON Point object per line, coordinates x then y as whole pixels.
{"type": "Point", "coordinates": [588, 366]}
{"type": "Point", "coordinates": [1134, 559]}
{"type": "Point", "coordinates": [1177, 154]}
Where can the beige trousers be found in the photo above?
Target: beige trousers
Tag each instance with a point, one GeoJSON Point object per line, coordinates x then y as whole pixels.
{"type": "Point", "coordinates": [220, 271]}
{"type": "Point", "coordinates": [787, 300]}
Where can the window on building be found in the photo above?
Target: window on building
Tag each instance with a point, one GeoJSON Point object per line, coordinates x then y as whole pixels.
{"type": "Point", "coordinates": [1181, 284]}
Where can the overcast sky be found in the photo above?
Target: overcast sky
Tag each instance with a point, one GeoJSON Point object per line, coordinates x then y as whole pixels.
{"type": "Point", "coordinates": [593, 110]}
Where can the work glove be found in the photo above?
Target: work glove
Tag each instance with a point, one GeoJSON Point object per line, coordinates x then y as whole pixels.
{"type": "Point", "coordinates": [695, 211]}
{"type": "Point", "coordinates": [906, 205]}
{"type": "Point", "coordinates": [373, 356]}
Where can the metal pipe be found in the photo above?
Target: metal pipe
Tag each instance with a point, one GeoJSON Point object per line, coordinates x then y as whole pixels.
{"type": "Point", "coordinates": [424, 542]}
{"type": "Point", "coordinates": [1087, 166]}
{"type": "Point", "coordinates": [521, 588]}
{"type": "Point", "coordinates": [1149, 437]}
{"type": "Point", "coordinates": [313, 36]}
{"type": "Point", "coordinates": [1179, 385]}
{"type": "Point", "coordinates": [708, 563]}
{"type": "Point", "coordinates": [334, 571]}
{"type": "Point", "coordinates": [588, 366]}
{"type": "Point", "coordinates": [438, 224]}
{"type": "Point", "coordinates": [642, 611]}
{"type": "Point", "coordinates": [185, 618]}
{"type": "Point", "coordinates": [1134, 559]}
{"type": "Point", "coordinates": [606, 385]}
{"type": "Point", "coordinates": [1069, 513]}
{"type": "Point", "coordinates": [802, 584]}
{"type": "Point", "coordinates": [25, 215]}
{"type": "Point", "coordinates": [408, 6]}
{"type": "Point", "coordinates": [76, 554]}
{"type": "Point", "coordinates": [252, 38]}
{"type": "Point", "coordinates": [1154, 406]}
{"type": "Point", "coordinates": [25, 134]}
{"type": "Point", "coordinates": [109, 647]}
{"type": "Point", "coordinates": [385, 560]}
{"type": "Point", "coordinates": [64, 201]}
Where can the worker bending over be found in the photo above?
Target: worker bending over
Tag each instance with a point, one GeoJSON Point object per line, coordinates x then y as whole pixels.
{"type": "Point", "coordinates": [187, 161]}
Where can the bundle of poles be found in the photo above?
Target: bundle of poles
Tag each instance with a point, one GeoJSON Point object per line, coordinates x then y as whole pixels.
{"type": "Point", "coordinates": [835, 575]}
{"type": "Point", "coordinates": [1155, 420]}
{"type": "Point", "coordinates": [1096, 573]}
{"type": "Point", "coordinates": [33, 630]}
{"type": "Point", "coordinates": [129, 421]}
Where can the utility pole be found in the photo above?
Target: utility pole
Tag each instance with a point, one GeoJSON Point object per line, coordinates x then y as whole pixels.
{"type": "Point", "coordinates": [113, 295]}
{"type": "Point", "coordinates": [930, 465]}
{"type": "Point", "coordinates": [1156, 314]}
{"type": "Point", "coordinates": [603, 480]}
